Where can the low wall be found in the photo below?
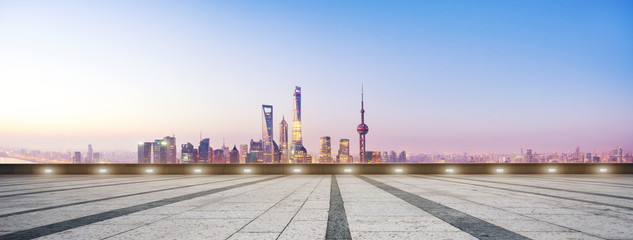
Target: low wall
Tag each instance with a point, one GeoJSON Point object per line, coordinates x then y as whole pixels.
{"type": "Point", "coordinates": [382, 168]}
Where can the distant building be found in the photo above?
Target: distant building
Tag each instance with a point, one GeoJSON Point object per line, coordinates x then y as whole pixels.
{"type": "Point", "coordinates": [267, 133]}
{"type": "Point", "coordinates": [588, 157]}
{"type": "Point", "coordinates": [234, 156]}
{"type": "Point", "coordinates": [258, 149]}
{"type": "Point", "coordinates": [204, 151]}
{"type": "Point", "coordinates": [343, 152]}
{"type": "Point", "coordinates": [402, 157]}
{"type": "Point", "coordinates": [188, 155]}
{"type": "Point", "coordinates": [392, 156]}
{"type": "Point", "coordinates": [170, 143]}
{"type": "Point", "coordinates": [283, 140]}
{"type": "Point", "coordinates": [251, 158]}
{"type": "Point", "coordinates": [218, 156]}
{"type": "Point", "coordinates": [362, 129]}
{"type": "Point", "coordinates": [77, 157]}
{"type": "Point", "coordinates": [529, 157]}
{"type": "Point", "coordinates": [96, 157]}
{"type": "Point", "coordinates": [618, 154]}
{"type": "Point", "coordinates": [89, 156]}
{"type": "Point", "coordinates": [297, 150]}
{"type": "Point", "coordinates": [325, 155]}
{"type": "Point", "coordinates": [372, 157]}
{"type": "Point", "coordinates": [243, 152]}
{"type": "Point", "coordinates": [145, 152]}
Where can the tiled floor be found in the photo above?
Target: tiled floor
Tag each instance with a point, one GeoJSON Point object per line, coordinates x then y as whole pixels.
{"type": "Point", "coordinates": [310, 207]}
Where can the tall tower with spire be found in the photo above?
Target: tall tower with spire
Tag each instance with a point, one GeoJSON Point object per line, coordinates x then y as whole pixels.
{"type": "Point", "coordinates": [283, 140]}
{"type": "Point", "coordinates": [297, 150]}
{"type": "Point", "coordinates": [362, 127]}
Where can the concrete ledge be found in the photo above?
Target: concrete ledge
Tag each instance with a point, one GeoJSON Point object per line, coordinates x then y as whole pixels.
{"type": "Point", "coordinates": [382, 168]}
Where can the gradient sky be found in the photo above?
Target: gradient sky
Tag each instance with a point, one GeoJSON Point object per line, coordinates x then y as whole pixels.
{"type": "Point", "coordinates": [462, 76]}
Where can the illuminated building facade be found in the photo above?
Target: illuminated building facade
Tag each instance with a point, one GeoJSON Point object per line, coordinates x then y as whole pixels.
{"type": "Point", "coordinates": [243, 152]}
{"type": "Point", "coordinates": [234, 156]}
{"type": "Point", "coordinates": [187, 153]}
{"type": "Point", "coordinates": [325, 155]}
{"type": "Point", "coordinates": [343, 152]}
{"type": "Point", "coordinates": [297, 151]}
{"type": "Point", "coordinates": [362, 128]}
{"type": "Point", "coordinates": [204, 151]}
{"type": "Point", "coordinates": [170, 143]}
{"type": "Point", "coordinates": [373, 157]}
{"type": "Point", "coordinates": [145, 152]}
{"type": "Point", "coordinates": [528, 156]}
{"type": "Point", "coordinates": [258, 151]}
{"type": "Point", "coordinates": [267, 133]}
{"type": "Point", "coordinates": [283, 140]}
{"type": "Point", "coordinates": [219, 156]}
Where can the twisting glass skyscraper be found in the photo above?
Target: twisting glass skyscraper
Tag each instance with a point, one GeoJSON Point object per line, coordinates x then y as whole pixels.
{"type": "Point", "coordinates": [297, 151]}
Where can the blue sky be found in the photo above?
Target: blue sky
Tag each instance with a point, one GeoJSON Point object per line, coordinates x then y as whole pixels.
{"type": "Point", "coordinates": [475, 76]}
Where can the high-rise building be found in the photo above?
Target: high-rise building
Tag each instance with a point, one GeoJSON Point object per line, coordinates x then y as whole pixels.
{"type": "Point", "coordinates": [96, 158]}
{"type": "Point", "coordinates": [170, 148]}
{"type": "Point", "coordinates": [528, 156]}
{"type": "Point", "coordinates": [77, 157]}
{"type": "Point", "coordinates": [402, 157]}
{"type": "Point", "coordinates": [89, 156]}
{"type": "Point", "coordinates": [296, 145]}
{"type": "Point", "coordinates": [588, 157]}
{"type": "Point", "coordinates": [283, 140]}
{"type": "Point", "coordinates": [145, 152]}
{"type": "Point", "coordinates": [158, 148]}
{"type": "Point", "coordinates": [234, 157]}
{"type": "Point", "coordinates": [618, 154]}
{"type": "Point", "coordinates": [243, 152]}
{"type": "Point", "coordinates": [385, 156]}
{"type": "Point", "coordinates": [267, 133]}
{"type": "Point", "coordinates": [373, 157]}
{"type": "Point", "coordinates": [325, 155]}
{"type": "Point", "coordinates": [257, 149]}
{"type": "Point", "coordinates": [392, 156]}
{"type": "Point", "coordinates": [188, 155]}
{"type": "Point", "coordinates": [204, 151]}
{"type": "Point", "coordinates": [362, 128]}
{"type": "Point", "coordinates": [343, 152]}
{"type": "Point", "coordinates": [219, 156]}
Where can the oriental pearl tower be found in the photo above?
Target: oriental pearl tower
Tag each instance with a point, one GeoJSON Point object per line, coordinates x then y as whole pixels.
{"type": "Point", "coordinates": [362, 127]}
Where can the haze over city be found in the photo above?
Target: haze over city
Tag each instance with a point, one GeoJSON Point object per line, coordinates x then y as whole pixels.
{"type": "Point", "coordinates": [439, 76]}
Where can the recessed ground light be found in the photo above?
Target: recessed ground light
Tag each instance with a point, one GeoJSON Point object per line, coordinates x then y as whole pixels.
{"type": "Point", "coordinates": [552, 170]}
{"type": "Point", "coordinates": [296, 170]}
{"type": "Point", "coordinates": [398, 170]}
{"type": "Point", "coordinates": [499, 170]}
{"type": "Point", "coordinates": [48, 170]}
{"type": "Point", "coordinates": [149, 170]}
{"type": "Point", "coordinates": [450, 170]}
{"type": "Point", "coordinates": [197, 170]}
{"type": "Point", "coordinates": [247, 170]}
{"type": "Point", "coordinates": [603, 170]}
{"type": "Point", "coordinates": [347, 170]}
{"type": "Point", "coordinates": [103, 170]}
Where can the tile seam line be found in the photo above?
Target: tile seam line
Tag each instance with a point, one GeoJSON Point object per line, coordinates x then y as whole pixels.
{"type": "Point", "coordinates": [534, 193]}
{"type": "Point", "coordinates": [114, 197]}
{"type": "Point", "coordinates": [300, 207]}
{"type": "Point", "coordinates": [475, 227]}
{"type": "Point", "coordinates": [573, 230]}
{"type": "Point", "coordinates": [86, 220]}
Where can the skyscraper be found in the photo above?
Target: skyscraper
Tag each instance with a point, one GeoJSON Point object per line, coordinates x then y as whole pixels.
{"type": "Point", "coordinates": [204, 151]}
{"type": "Point", "coordinates": [257, 151]}
{"type": "Point", "coordinates": [267, 133]}
{"type": "Point", "coordinates": [283, 140]}
{"type": "Point", "coordinates": [170, 144]}
{"type": "Point", "coordinates": [234, 157]}
{"type": "Point", "coordinates": [243, 152]}
{"type": "Point", "coordinates": [402, 157]}
{"type": "Point", "coordinates": [296, 145]}
{"type": "Point", "coordinates": [325, 155]}
{"type": "Point", "coordinates": [188, 153]}
{"type": "Point", "coordinates": [362, 127]}
{"type": "Point", "coordinates": [618, 154]}
{"type": "Point", "coordinates": [77, 157]}
{"type": "Point", "coordinates": [145, 152]}
{"type": "Point", "coordinates": [219, 156]}
{"type": "Point", "coordinates": [343, 151]}
{"type": "Point", "coordinates": [89, 156]}
{"type": "Point", "coordinates": [528, 156]}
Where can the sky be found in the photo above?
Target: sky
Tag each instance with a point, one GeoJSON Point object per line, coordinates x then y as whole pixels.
{"type": "Point", "coordinates": [438, 76]}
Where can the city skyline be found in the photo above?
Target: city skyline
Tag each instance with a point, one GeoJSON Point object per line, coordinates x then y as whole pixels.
{"type": "Point", "coordinates": [438, 77]}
